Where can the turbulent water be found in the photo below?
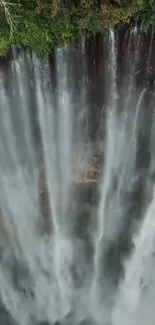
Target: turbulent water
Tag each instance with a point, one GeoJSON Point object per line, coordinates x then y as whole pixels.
{"type": "Point", "coordinates": [57, 265]}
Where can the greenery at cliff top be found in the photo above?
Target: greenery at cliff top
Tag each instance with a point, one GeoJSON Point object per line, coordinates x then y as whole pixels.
{"type": "Point", "coordinates": [42, 24]}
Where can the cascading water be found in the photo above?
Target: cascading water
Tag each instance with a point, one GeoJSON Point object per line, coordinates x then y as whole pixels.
{"type": "Point", "coordinates": [53, 268]}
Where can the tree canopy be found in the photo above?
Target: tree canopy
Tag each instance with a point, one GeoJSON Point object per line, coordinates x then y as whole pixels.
{"type": "Point", "coordinates": [43, 24]}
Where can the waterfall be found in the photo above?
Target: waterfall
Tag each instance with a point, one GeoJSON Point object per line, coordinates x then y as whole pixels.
{"type": "Point", "coordinates": [113, 67]}
{"type": "Point", "coordinates": [77, 205]}
{"type": "Point", "coordinates": [139, 277]}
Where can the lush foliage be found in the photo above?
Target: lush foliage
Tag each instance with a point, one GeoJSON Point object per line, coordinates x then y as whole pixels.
{"type": "Point", "coordinates": [42, 24]}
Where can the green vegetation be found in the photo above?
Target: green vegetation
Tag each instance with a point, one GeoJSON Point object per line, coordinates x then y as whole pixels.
{"type": "Point", "coordinates": [42, 24]}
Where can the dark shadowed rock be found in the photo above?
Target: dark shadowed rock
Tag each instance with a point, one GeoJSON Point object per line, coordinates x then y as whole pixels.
{"type": "Point", "coordinates": [5, 317]}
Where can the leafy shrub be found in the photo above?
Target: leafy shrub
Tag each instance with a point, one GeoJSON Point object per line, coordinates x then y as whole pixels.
{"type": "Point", "coordinates": [4, 44]}
{"type": "Point", "coordinates": [43, 24]}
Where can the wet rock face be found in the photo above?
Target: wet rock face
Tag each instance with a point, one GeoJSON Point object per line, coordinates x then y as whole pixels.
{"type": "Point", "coordinates": [44, 222]}
{"type": "Point", "coordinates": [83, 197]}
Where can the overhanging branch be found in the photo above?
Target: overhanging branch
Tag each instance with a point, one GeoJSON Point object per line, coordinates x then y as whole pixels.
{"type": "Point", "coordinates": [7, 8]}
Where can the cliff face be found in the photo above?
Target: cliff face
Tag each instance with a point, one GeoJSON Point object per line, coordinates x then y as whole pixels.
{"type": "Point", "coordinates": [84, 193]}
{"type": "Point", "coordinates": [86, 67]}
